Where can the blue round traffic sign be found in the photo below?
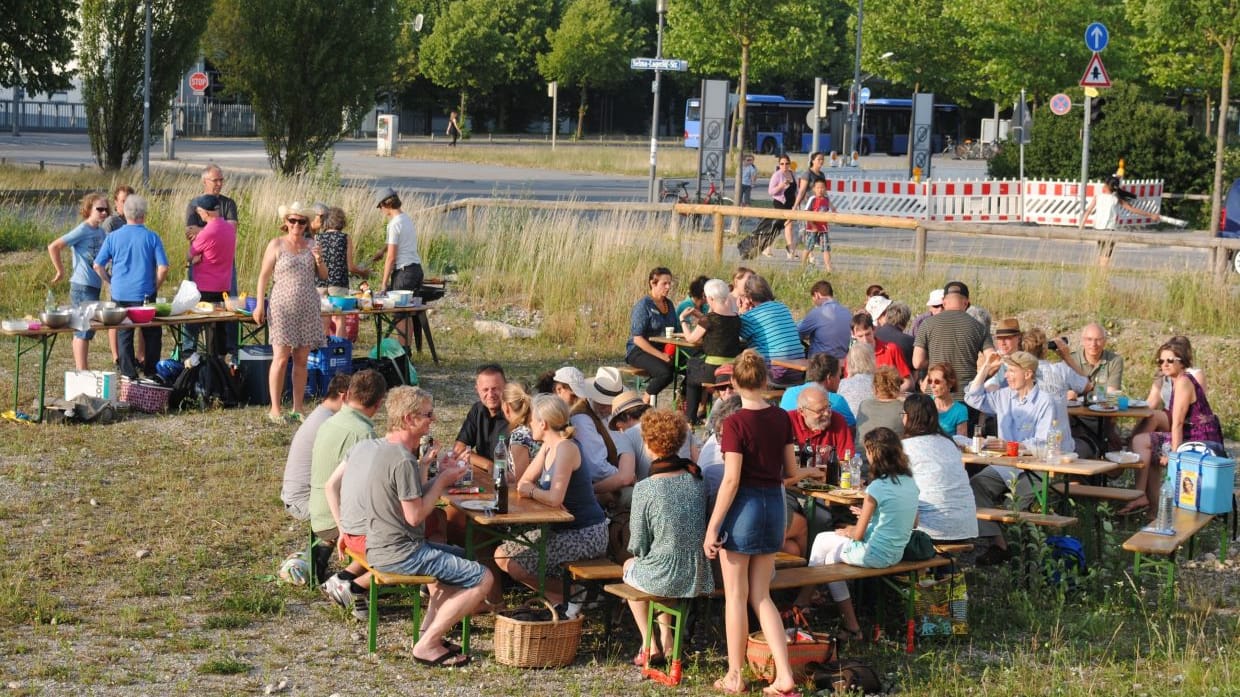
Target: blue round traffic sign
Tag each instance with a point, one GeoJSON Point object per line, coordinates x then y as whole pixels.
{"type": "Point", "coordinates": [1096, 36]}
{"type": "Point", "coordinates": [864, 96]}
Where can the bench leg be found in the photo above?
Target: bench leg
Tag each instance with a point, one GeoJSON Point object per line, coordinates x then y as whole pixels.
{"type": "Point", "coordinates": [675, 669]}
{"type": "Point", "coordinates": [417, 612]}
{"type": "Point", "coordinates": [372, 616]}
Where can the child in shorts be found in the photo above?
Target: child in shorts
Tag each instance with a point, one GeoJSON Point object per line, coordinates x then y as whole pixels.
{"type": "Point", "coordinates": [816, 232]}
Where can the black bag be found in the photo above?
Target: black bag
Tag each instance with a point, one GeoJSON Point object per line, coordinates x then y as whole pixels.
{"type": "Point", "coordinates": [759, 239]}
{"type": "Point", "coordinates": [846, 676]}
{"type": "Point", "coordinates": [390, 368]}
{"type": "Point", "coordinates": [218, 385]}
{"type": "Point", "coordinates": [919, 548]}
{"type": "Point", "coordinates": [184, 387]}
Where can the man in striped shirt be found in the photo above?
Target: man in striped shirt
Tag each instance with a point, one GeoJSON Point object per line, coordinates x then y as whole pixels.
{"type": "Point", "coordinates": [769, 328]}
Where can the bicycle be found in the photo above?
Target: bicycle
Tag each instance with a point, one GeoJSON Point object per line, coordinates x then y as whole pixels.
{"type": "Point", "coordinates": [976, 150]}
{"type": "Point", "coordinates": [678, 192]}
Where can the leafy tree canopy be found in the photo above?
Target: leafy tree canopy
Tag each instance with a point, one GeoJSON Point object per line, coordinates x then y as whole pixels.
{"type": "Point", "coordinates": [309, 79]}
{"type": "Point", "coordinates": [111, 56]}
{"type": "Point", "coordinates": [36, 42]}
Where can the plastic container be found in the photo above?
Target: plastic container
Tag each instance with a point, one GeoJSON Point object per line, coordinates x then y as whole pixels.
{"type": "Point", "coordinates": [344, 304]}
{"type": "Point", "coordinates": [254, 362]}
{"type": "Point", "coordinates": [1203, 482]}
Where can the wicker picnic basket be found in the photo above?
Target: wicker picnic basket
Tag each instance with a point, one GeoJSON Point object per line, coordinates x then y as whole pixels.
{"type": "Point", "coordinates": [536, 643]}
{"type": "Point", "coordinates": [801, 653]}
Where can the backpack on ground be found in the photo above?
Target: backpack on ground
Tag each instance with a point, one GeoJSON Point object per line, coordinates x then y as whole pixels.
{"type": "Point", "coordinates": [1067, 558]}
{"type": "Point", "coordinates": [761, 238]}
{"type": "Point", "coordinates": [207, 381]}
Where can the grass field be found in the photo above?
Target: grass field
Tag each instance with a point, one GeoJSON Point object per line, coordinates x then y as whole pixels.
{"type": "Point", "coordinates": [200, 612]}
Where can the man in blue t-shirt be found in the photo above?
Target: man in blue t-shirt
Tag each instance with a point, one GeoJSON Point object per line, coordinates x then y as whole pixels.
{"type": "Point", "coordinates": [138, 266]}
{"type": "Point", "coordinates": [828, 326]}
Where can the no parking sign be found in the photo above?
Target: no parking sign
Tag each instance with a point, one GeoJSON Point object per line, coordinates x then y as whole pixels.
{"type": "Point", "coordinates": [1061, 104]}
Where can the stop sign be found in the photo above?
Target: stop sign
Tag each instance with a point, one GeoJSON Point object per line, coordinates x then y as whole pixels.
{"type": "Point", "coordinates": [199, 82]}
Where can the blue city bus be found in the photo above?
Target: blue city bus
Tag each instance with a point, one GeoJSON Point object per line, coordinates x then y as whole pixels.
{"type": "Point", "coordinates": [772, 122]}
{"type": "Point", "coordinates": [776, 124]}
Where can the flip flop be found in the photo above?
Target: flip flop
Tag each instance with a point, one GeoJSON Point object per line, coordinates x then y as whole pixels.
{"type": "Point", "coordinates": [449, 659]}
{"type": "Point", "coordinates": [1133, 507]}
{"type": "Point", "coordinates": [772, 692]}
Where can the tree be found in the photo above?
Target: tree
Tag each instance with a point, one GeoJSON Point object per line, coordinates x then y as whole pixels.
{"type": "Point", "coordinates": [1155, 141]}
{"type": "Point", "coordinates": [111, 56]}
{"type": "Point", "coordinates": [591, 47]}
{"type": "Point", "coordinates": [1034, 44]}
{"type": "Point", "coordinates": [792, 36]}
{"type": "Point", "coordinates": [310, 79]}
{"type": "Point", "coordinates": [929, 56]}
{"type": "Point", "coordinates": [36, 42]}
{"type": "Point", "coordinates": [477, 45]}
{"type": "Point", "coordinates": [1217, 22]}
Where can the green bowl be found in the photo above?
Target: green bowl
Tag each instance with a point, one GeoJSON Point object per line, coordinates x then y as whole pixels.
{"type": "Point", "coordinates": [163, 309]}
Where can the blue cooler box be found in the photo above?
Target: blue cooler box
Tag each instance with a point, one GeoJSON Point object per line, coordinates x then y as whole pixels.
{"type": "Point", "coordinates": [1203, 482]}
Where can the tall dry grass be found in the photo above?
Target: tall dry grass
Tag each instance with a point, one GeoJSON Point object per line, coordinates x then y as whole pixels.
{"type": "Point", "coordinates": [631, 159]}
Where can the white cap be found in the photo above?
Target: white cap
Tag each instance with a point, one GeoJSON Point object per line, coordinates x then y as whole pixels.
{"type": "Point", "coordinates": [936, 298]}
{"type": "Point", "coordinates": [876, 306]}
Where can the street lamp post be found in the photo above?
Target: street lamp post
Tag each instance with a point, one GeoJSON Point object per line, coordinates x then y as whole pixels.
{"type": "Point", "coordinates": [661, 8]}
{"type": "Point", "coordinates": [853, 95]}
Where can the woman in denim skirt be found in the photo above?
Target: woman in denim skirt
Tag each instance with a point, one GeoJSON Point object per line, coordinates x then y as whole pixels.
{"type": "Point", "coordinates": [746, 527]}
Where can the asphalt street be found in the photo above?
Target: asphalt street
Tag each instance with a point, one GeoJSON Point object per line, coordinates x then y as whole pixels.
{"type": "Point", "coordinates": [358, 160]}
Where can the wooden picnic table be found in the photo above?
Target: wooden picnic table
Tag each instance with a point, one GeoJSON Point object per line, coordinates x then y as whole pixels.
{"type": "Point", "coordinates": [799, 364]}
{"type": "Point", "coordinates": [44, 339]}
{"type": "Point", "coordinates": [484, 526]}
{"type": "Point", "coordinates": [1077, 468]}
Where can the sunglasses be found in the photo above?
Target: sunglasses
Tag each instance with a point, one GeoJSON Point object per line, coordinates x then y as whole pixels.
{"type": "Point", "coordinates": [297, 221]}
{"type": "Point", "coordinates": [104, 209]}
{"type": "Point", "coordinates": [932, 381]}
{"type": "Point", "coordinates": [428, 415]}
{"type": "Point", "coordinates": [1167, 361]}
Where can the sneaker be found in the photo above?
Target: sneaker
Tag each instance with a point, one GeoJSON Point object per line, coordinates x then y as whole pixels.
{"type": "Point", "coordinates": [766, 252]}
{"type": "Point", "coordinates": [337, 589]}
{"type": "Point", "coordinates": [361, 608]}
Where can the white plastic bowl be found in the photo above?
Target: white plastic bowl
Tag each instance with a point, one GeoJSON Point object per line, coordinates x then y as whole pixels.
{"type": "Point", "coordinates": [1122, 457]}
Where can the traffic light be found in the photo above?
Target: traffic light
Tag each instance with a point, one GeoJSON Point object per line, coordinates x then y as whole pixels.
{"type": "Point", "coordinates": [1095, 110]}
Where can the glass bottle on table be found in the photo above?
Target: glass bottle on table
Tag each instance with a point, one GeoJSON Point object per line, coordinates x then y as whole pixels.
{"type": "Point", "coordinates": [467, 458]}
{"type": "Point", "coordinates": [846, 471]}
{"type": "Point", "coordinates": [499, 475]}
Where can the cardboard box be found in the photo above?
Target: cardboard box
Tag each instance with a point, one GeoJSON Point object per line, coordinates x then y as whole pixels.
{"type": "Point", "coordinates": [92, 383]}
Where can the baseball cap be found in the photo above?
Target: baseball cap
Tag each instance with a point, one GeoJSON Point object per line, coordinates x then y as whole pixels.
{"type": "Point", "coordinates": [876, 306]}
{"type": "Point", "coordinates": [936, 298]}
{"type": "Point", "coordinates": [723, 375]}
{"type": "Point", "coordinates": [207, 202]}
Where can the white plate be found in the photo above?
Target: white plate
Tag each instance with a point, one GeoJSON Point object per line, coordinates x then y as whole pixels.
{"type": "Point", "coordinates": [1100, 408]}
{"type": "Point", "coordinates": [481, 505]}
{"type": "Point", "coordinates": [1074, 403]}
{"type": "Point", "coordinates": [1122, 457]}
{"type": "Point", "coordinates": [962, 441]}
{"type": "Point", "coordinates": [1137, 404]}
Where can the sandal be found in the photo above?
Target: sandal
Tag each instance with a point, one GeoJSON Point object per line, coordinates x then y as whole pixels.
{"type": "Point", "coordinates": [644, 660]}
{"type": "Point", "coordinates": [772, 692]}
{"type": "Point", "coordinates": [448, 659]}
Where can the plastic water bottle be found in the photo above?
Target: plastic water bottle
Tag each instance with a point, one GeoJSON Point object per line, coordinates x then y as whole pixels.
{"type": "Point", "coordinates": [468, 479]}
{"type": "Point", "coordinates": [854, 468]}
{"type": "Point", "coordinates": [1166, 506]}
{"type": "Point", "coordinates": [1053, 438]}
{"type": "Point", "coordinates": [50, 303]}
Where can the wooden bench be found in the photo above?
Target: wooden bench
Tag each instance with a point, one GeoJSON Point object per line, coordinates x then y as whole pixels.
{"type": "Point", "coordinates": [382, 582]}
{"type": "Point", "coordinates": [1046, 520]}
{"type": "Point", "coordinates": [954, 549]}
{"type": "Point", "coordinates": [800, 577]}
{"type": "Point", "coordinates": [638, 375]}
{"type": "Point", "coordinates": [595, 570]}
{"type": "Point", "coordinates": [1143, 544]}
{"type": "Point", "coordinates": [1102, 493]}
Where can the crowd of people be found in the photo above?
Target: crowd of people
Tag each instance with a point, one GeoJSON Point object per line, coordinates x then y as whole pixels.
{"type": "Point", "coordinates": [684, 515]}
{"type": "Point", "coordinates": [312, 256]}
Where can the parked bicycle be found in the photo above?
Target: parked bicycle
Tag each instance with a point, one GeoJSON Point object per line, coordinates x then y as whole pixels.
{"type": "Point", "coordinates": [678, 192]}
{"type": "Point", "coordinates": [976, 150]}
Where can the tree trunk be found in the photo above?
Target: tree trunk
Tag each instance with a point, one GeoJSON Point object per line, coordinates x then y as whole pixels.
{"type": "Point", "coordinates": [1220, 143]}
{"type": "Point", "coordinates": [741, 91]}
{"type": "Point", "coordinates": [461, 116]}
{"type": "Point", "coordinates": [581, 113]}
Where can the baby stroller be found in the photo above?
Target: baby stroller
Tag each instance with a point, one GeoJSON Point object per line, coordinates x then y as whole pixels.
{"type": "Point", "coordinates": [761, 238]}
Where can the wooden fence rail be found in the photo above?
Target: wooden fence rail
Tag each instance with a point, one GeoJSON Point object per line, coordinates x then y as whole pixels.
{"type": "Point", "coordinates": [1221, 248]}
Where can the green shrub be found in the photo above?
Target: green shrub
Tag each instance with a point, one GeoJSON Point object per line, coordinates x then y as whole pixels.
{"type": "Point", "coordinates": [1155, 142]}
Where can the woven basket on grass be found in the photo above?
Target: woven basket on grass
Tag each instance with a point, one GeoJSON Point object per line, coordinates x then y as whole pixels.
{"type": "Point", "coordinates": [800, 655]}
{"type": "Point", "coordinates": [536, 644]}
